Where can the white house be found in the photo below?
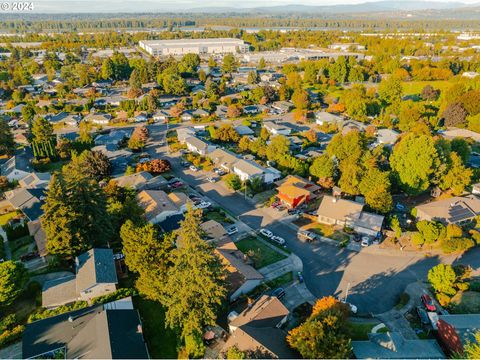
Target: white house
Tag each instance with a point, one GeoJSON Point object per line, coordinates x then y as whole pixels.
{"type": "Point", "coordinates": [276, 129]}
{"type": "Point", "coordinates": [14, 169]}
{"type": "Point", "coordinates": [248, 169]}
{"type": "Point", "coordinates": [324, 118]}
{"type": "Point", "coordinates": [198, 146]}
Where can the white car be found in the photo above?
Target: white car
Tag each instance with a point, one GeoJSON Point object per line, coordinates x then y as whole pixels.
{"type": "Point", "coordinates": [366, 241]}
{"type": "Point", "coordinates": [266, 233]}
{"type": "Point", "coordinates": [212, 179]}
{"type": "Point", "coordinates": [232, 230]}
{"type": "Point", "coordinates": [193, 168]}
{"type": "Point", "coordinates": [279, 240]}
{"type": "Point", "coordinates": [204, 205]}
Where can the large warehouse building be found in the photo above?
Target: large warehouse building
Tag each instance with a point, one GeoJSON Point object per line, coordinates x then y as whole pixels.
{"type": "Point", "coordinates": [195, 46]}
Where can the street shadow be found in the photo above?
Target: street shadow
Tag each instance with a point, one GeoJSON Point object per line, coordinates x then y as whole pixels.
{"type": "Point", "coordinates": [380, 292]}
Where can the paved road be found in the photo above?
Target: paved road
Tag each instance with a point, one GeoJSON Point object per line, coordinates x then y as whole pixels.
{"type": "Point", "coordinates": [374, 280]}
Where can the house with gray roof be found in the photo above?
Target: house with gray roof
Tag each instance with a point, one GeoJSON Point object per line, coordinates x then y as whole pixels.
{"type": "Point", "coordinates": [28, 201]}
{"type": "Point", "coordinates": [455, 210]}
{"type": "Point", "coordinates": [393, 345]}
{"type": "Point", "coordinates": [326, 118]}
{"type": "Point", "coordinates": [455, 330]}
{"type": "Point", "coordinates": [142, 180]}
{"type": "Point", "coordinates": [15, 168]}
{"type": "Point", "coordinates": [198, 146]}
{"type": "Point", "coordinates": [248, 169]}
{"type": "Point", "coordinates": [95, 276]}
{"type": "Point", "coordinates": [35, 180]}
{"type": "Point", "coordinates": [109, 331]}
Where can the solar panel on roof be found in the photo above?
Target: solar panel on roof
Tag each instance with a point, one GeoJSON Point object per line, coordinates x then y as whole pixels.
{"type": "Point", "coordinates": [458, 213]}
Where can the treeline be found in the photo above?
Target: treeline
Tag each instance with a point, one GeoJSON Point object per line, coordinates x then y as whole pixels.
{"type": "Point", "coordinates": [88, 22]}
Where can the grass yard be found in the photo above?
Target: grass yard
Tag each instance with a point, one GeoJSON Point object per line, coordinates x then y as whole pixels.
{"type": "Point", "coordinates": [5, 218]}
{"type": "Point", "coordinates": [21, 246]}
{"type": "Point", "coordinates": [263, 254]}
{"type": "Point", "coordinates": [329, 232]}
{"type": "Point", "coordinates": [217, 215]}
{"type": "Point", "coordinates": [281, 280]}
{"type": "Point", "coordinates": [162, 342]}
{"type": "Point", "coordinates": [467, 302]}
{"type": "Point", "coordinates": [359, 330]}
{"type": "Point", "coordinates": [416, 87]}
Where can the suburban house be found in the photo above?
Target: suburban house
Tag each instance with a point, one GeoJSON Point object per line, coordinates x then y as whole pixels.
{"type": "Point", "coordinates": [353, 125]}
{"type": "Point", "coordinates": [183, 134]}
{"type": "Point", "coordinates": [386, 137]}
{"type": "Point", "coordinates": [105, 331]}
{"type": "Point", "coordinates": [256, 330]}
{"type": "Point", "coordinates": [198, 146]}
{"type": "Point", "coordinates": [200, 113]}
{"type": "Point", "coordinates": [67, 118]}
{"type": "Point", "coordinates": [35, 180]}
{"type": "Point", "coordinates": [294, 191]}
{"type": "Point", "coordinates": [95, 276]}
{"type": "Point", "coordinates": [28, 201]}
{"type": "Point", "coordinates": [15, 168]}
{"type": "Point", "coordinates": [114, 137]}
{"type": "Point", "coordinates": [454, 210]}
{"type": "Point", "coordinates": [243, 130]}
{"type": "Point", "coordinates": [98, 118]}
{"type": "Point", "coordinates": [186, 116]}
{"type": "Point", "coordinates": [282, 106]}
{"type": "Point", "coordinates": [336, 211]}
{"type": "Point", "coordinates": [452, 133]}
{"type": "Point", "coordinates": [223, 159]}
{"type": "Point", "coordinates": [119, 158]}
{"type": "Point", "coordinates": [248, 169]}
{"type": "Point", "coordinates": [213, 229]}
{"type": "Point", "coordinates": [158, 205]}
{"type": "Point", "coordinates": [241, 276]}
{"type": "Point", "coordinates": [142, 180]}
{"type": "Point", "coordinates": [392, 345]}
{"type": "Point", "coordinates": [250, 109]}
{"type": "Point", "coordinates": [326, 118]}
{"type": "Point", "coordinates": [455, 330]}
{"type": "Point", "coordinates": [276, 129]}
{"type": "Point", "coordinates": [161, 115]}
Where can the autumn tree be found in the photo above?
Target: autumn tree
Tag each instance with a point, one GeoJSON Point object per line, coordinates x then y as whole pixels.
{"type": "Point", "coordinates": [454, 115]}
{"type": "Point", "coordinates": [323, 168]}
{"type": "Point", "coordinates": [322, 335]}
{"type": "Point", "coordinates": [429, 93]}
{"type": "Point", "coordinates": [457, 177]}
{"type": "Point", "coordinates": [300, 99]}
{"type": "Point", "coordinates": [234, 111]}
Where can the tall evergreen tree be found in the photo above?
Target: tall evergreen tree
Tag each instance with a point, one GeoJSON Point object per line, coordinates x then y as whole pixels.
{"type": "Point", "coordinates": [7, 144]}
{"type": "Point", "coordinates": [195, 286]}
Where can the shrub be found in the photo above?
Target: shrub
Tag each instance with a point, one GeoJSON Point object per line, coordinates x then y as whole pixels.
{"type": "Point", "coordinates": [116, 295]}
{"type": "Point", "coordinates": [10, 336]}
{"type": "Point", "coordinates": [475, 286]}
{"type": "Point", "coordinates": [457, 244]}
{"type": "Point", "coordinates": [463, 286]}
{"type": "Point", "coordinates": [444, 300]}
{"type": "Point", "coordinates": [16, 232]}
{"type": "Point", "coordinates": [46, 313]}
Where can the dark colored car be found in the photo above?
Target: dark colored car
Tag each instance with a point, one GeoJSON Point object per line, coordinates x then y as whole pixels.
{"type": "Point", "coordinates": [279, 292]}
{"type": "Point", "coordinates": [422, 314]}
{"type": "Point", "coordinates": [30, 256]}
{"type": "Point", "coordinates": [428, 302]}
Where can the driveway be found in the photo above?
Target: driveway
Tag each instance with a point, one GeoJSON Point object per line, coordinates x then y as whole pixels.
{"type": "Point", "coordinates": [374, 280]}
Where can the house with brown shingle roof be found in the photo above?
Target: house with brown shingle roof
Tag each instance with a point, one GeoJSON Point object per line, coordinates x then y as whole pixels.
{"type": "Point", "coordinates": [159, 205]}
{"type": "Point", "coordinates": [241, 275]}
{"type": "Point", "coordinates": [256, 330]}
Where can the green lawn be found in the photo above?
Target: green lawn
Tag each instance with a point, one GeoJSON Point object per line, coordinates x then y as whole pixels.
{"type": "Point", "coordinates": [162, 342]}
{"type": "Point", "coordinates": [263, 254]}
{"type": "Point", "coordinates": [21, 246]}
{"type": "Point", "coordinates": [359, 330]}
{"type": "Point", "coordinates": [329, 232]}
{"type": "Point", "coordinates": [467, 302]}
{"type": "Point", "coordinates": [415, 87]}
{"type": "Point", "coordinates": [5, 218]}
{"type": "Point", "coordinates": [281, 280]}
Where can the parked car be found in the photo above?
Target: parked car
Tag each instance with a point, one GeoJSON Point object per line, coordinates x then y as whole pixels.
{"type": "Point", "coordinates": [366, 241]}
{"type": "Point", "coordinates": [29, 256]}
{"type": "Point", "coordinates": [204, 205]}
{"type": "Point", "coordinates": [306, 235]}
{"type": "Point", "coordinates": [422, 314]}
{"type": "Point", "coordinates": [279, 292]}
{"type": "Point", "coordinates": [176, 185]}
{"type": "Point", "coordinates": [275, 204]}
{"type": "Point", "coordinates": [428, 302]}
{"type": "Point", "coordinates": [219, 172]}
{"type": "Point", "coordinates": [212, 179]}
{"type": "Point", "coordinates": [279, 240]}
{"type": "Point", "coordinates": [232, 230]}
{"type": "Point", "coordinates": [280, 207]}
{"type": "Point", "coordinates": [185, 164]}
{"type": "Point", "coordinates": [173, 180]}
{"type": "Point", "coordinates": [294, 211]}
{"type": "Point", "coordinates": [266, 233]}
{"type": "Point", "coordinates": [193, 168]}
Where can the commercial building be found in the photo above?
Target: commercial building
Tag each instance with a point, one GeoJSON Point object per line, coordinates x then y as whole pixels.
{"type": "Point", "coordinates": [193, 46]}
{"type": "Point", "coordinates": [295, 55]}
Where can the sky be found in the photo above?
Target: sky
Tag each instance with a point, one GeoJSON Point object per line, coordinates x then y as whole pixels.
{"type": "Point", "coordinates": [172, 5]}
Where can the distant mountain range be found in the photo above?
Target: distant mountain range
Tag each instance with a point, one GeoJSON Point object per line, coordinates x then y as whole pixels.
{"type": "Point", "coordinates": [376, 10]}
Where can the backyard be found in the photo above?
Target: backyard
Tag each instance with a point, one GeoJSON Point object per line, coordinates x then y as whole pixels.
{"type": "Point", "coordinates": [162, 342]}
{"type": "Point", "coordinates": [263, 255]}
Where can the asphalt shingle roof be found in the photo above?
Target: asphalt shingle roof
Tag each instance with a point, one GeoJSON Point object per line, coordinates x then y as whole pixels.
{"type": "Point", "coordinates": [95, 266]}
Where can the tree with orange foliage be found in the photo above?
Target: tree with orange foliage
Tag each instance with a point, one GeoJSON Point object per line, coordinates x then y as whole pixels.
{"type": "Point", "coordinates": [336, 108]}
{"type": "Point", "coordinates": [322, 335]}
{"type": "Point", "coordinates": [311, 136]}
{"type": "Point", "coordinates": [177, 110]}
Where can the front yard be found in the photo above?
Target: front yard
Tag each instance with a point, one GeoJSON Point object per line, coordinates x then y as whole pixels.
{"type": "Point", "coordinates": [359, 330]}
{"type": "Point", "coordinates": [261, 254]}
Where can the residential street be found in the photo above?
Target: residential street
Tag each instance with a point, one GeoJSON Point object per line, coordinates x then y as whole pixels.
{"type": "Point", "coordinates": [374, 280]}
